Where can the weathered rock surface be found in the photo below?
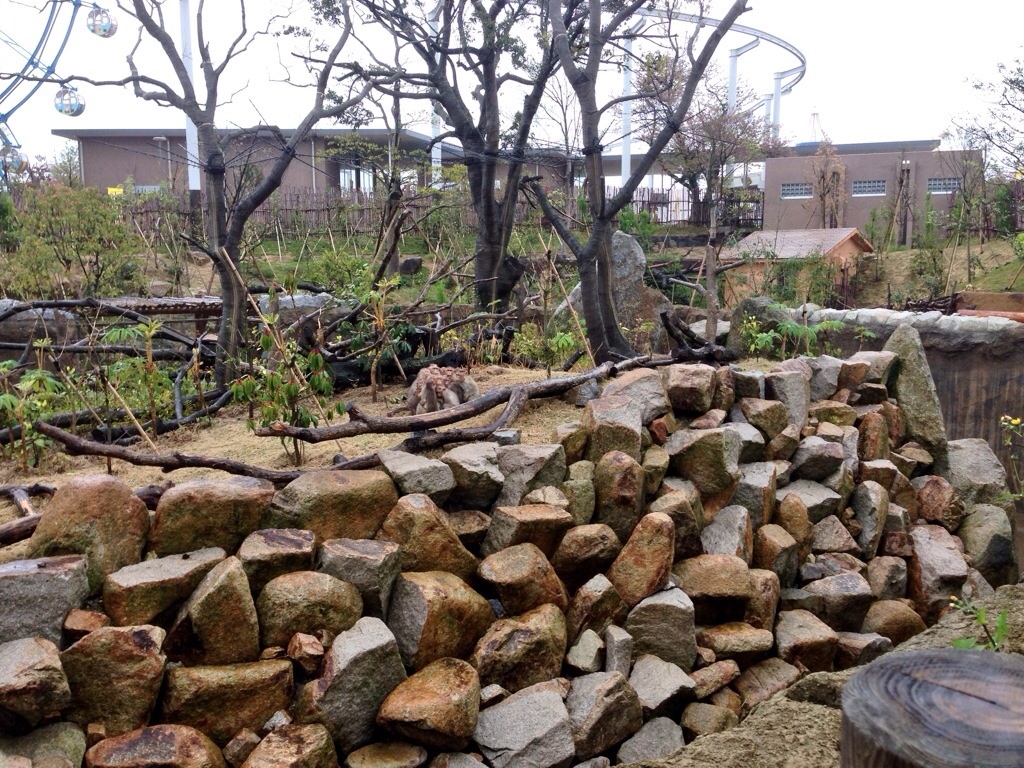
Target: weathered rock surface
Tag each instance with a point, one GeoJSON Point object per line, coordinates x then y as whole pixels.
{"type": "Point", "coordinates": [363, 667]}
{"type": "Point", "coordinates": [434, 615]}
{"type": "Point", "coordinates": [130, 655]}
{"type": "Point", "coordinates": [218, 623]}
{"type": "Point", "coordinates": [97, 516]}
{"type": "Point", "coordinates": [173, 746]}
{"type": "Point", "coordinates": [437, 707]}
{"type": "Point", "coordinates": [33, 684]}
{"type": "Point", "coordinates": [529, 728]}
{"type": "Point", "coordinates": [209, 513]}
{"type": "Point", "coordinates": [272, 552]}
{"type": "Point", "coordinates": [334, 504]}
{"type": "Point", "coordinates": [426, 539]}
{"type": "Point", "coordinates": [415, 474]}
{"type": "Point", "coordinates": [222, 700]}
{"type": "Point", "coordinates": [370, 566]}
{"type": "Point", "coordinates": [521, 651]}
{"type": "Point", "coordinates": [39, 593]}
{"type": "Point", "coordinates": [138, 594]}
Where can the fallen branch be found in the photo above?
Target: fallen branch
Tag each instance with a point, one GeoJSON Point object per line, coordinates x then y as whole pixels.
{"type": "Point", "coordinates": [79, 446]}
{"type": "Point", "coordinates": [516, 397]}
{"type": "Point", "coordinates": [360, 423]}
{"type": "Point", "coordinates": [20, 495]}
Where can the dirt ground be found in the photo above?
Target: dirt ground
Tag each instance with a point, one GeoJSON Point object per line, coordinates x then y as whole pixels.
{"type": "Point", "coordinates": [227, 436]}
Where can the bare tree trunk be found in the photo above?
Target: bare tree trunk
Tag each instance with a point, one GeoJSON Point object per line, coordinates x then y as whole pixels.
{"type": "Point", "coordinates": [711, 265]}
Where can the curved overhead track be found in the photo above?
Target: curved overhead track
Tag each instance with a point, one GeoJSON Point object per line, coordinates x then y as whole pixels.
{"type": "Point", "coordinates": [795, 73]}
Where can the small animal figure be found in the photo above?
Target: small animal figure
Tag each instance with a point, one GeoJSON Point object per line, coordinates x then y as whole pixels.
{"type": "Point", "coordinates": [438, 388]}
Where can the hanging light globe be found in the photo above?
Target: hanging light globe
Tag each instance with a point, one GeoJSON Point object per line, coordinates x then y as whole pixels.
{"type": "Point", "coordinates": [101, 23]}
{"type": "Point", "coordinates": [69, 101]}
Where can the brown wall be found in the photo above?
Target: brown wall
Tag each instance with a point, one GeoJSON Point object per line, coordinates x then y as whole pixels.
{"type": "Point", "coordinates": [749, 279]}
{"type": "Point", "coordinates": [107, 161]}
{"type": "Point", "coordinates": [791, 213]}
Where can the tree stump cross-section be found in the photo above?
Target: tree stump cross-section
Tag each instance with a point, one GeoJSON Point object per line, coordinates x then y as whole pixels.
{"type": "Point", "coordinates": [935, 709]}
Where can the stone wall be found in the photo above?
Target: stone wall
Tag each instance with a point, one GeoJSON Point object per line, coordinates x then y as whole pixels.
{"type": "Point", "coordinates": [700, 540]}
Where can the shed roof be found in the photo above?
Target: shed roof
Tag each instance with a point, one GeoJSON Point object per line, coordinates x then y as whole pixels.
{"type": "Point", "coordinates": [796, 243]}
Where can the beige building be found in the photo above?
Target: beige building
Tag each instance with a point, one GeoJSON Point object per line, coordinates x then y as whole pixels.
{"type": "Point", "coordinates": [893, 179]}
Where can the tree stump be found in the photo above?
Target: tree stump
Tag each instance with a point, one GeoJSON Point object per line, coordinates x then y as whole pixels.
{"type": "Point", "coordinates": [935, 709]}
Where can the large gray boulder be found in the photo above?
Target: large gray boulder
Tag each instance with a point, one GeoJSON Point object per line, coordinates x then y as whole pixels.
{"type": "Point", "coordinates": [988, 539]}
{"type": "Point", "coordinates": [914, 389]}
{"type": "Point", "coordinates": [38, 594]}
{"type": "Point", "coordinates": [363, 667]}
{"type": "Point", "coordinates": [635, 303]}
{"type": "Point", "coordinates": [529, 728]}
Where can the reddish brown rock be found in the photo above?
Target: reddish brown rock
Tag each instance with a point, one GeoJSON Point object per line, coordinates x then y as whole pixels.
{"type": "Point", "coordinates": [130, 655]}
{"type": "Point", "coordinates": [936, 570]}
{"type": "Point", "coordinates": [33, 685]}
{"type": "Point", "coordinates": [220, 701]}
{"type": "Point", "coordinates": [714, 677]}
{"type": "Point", "coordinates": [437, 707]}
{"type": "Point", "coordinates": [427, 540]}
{"type": "Point", "coordinates": [434, 615]}
{"type": "Point", "coordinates": [938, 502]}
{"type": "Point", "coordinates": [737, 640]}
{"type": "Point", "coordinates": [764, 680]}
{"type": "Point", "coordinates": [584, 552]}
{"type": "Point", "coordinates": [294, 746]}
{"type": "Point", "coordinates": [158, 746]}
{"type": "Point", "coordinates": [893, 619]}
{"type": "Point", "coordinates": [97, 516]}
{"type": "Point", "coordinates": [619, 493]}
{"type": "Point", "coordinates": [719, 586]}
{"type": "Point", "coordinates": [775, 550]}
{"type": "Point", "coordinates": [594, 606]}
{"type": "Point", "coordinates": [209, 513]}
{"type": "Point", "coordinates": [518, 652]}
{"type": "Point", "coordinates": [700, 719]}
{"type": "Point", "coordinates": [334, 504]}
{"type": "Point", "coordinates": [523, 579]}
{"type": "Point", "coordinates": [873, 441]}
{"type": "Point", "coordinates": [645, 562]}
{"type": "Point", "coordinates": [79, 623]}
{"type": "Point", "coordinates": [539, 524]}
{"type": "Point", "coordinates": [764, 599]}
{"type": "Point", "coordinates": [804, 640]}
{"type": "Point", "coordinates": [218, 623]}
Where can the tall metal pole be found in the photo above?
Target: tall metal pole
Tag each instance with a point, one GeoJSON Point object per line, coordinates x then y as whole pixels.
{"type": "Point", "coordinates": [191, 131]}
{"type": "Point", "coordinates": [435, 117]}
{"type": "Point", "coordinates": [627, 105]}
{"type": "Point", "coordinates": [734, 56]}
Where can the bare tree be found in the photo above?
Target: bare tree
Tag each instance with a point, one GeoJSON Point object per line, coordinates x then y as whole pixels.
{"type": "Point", "coordinates": [827, 175]}
{"type": "Point", "coordinates": [226, 218]}
{"type": "Point", "coordinates": [1003, 126]}
{"type": "Point", "coordinates": [471, 59]}
{"type": "Point", "coordinates": [582, 66]}
{"type": "Point", "coordinates": [712, 137]}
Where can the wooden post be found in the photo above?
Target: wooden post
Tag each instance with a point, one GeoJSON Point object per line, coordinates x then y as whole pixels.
{"type": "Point", "coordinates": [935, 709]}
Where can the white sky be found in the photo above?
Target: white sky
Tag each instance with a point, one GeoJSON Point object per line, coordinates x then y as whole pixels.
{"type": "Point", "coordinates": [876, 69]}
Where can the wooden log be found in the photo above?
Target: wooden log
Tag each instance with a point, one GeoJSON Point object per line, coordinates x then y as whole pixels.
{"type": "Point", "coordinates": [19, 529]}
{"type": "Point", "coordinates": [935, 709]}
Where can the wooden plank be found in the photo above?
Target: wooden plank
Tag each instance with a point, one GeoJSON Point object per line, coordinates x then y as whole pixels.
{"type": "Point", "coordinates": [1017, 316]}
{"type": "Point", "coordinates": [935, 709]}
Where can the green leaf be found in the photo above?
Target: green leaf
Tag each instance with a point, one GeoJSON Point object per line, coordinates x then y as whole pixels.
{"type": "Point", "coordinates": [965, 644]}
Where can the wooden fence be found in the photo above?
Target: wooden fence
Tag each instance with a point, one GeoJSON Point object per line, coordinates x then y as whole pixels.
{"type": "Point", "coordinates": [296, 212]}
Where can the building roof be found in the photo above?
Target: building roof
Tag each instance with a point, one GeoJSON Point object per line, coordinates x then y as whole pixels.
{"type": "Point", "coordinates": [795, 243]}
{"type": "Point", "coordinates": [409, 140]}
{"type": "Point", "coordinates": [809, 148]}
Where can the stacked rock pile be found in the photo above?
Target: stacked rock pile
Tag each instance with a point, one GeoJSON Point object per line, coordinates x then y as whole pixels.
{"type": "Point", "coordinates": [699, 541]}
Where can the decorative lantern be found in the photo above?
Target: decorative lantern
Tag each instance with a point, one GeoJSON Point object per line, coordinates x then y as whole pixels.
{"type": "Point", "coordinates": [101, 23]}
{"type": "Point", "coordinates": [69, 102]}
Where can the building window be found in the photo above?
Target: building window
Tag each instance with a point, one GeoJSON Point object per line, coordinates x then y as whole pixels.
{"type": "Point", "coordinates": [872, 187]}
{"type": "Point", "coordinates": [796, 189]}
{"type": "Point", "coordinates": [944, 185]}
